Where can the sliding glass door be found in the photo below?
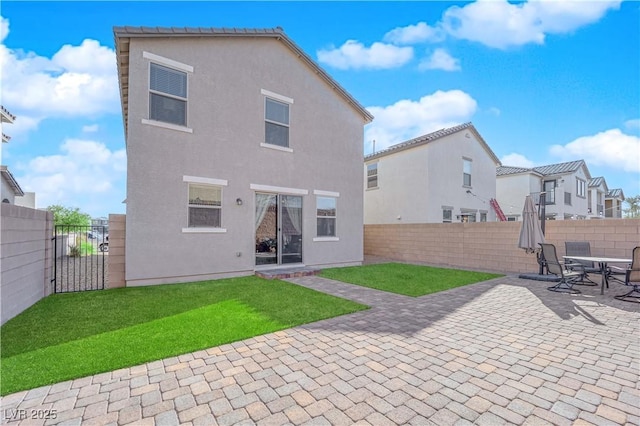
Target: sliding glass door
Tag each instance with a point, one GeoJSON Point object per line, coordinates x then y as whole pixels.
{"type": "Point", "coordinates": [278, 225]}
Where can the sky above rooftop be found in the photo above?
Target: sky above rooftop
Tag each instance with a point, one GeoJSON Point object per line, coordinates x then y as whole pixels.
{"type": "Point", "coordinates": [543, 82]}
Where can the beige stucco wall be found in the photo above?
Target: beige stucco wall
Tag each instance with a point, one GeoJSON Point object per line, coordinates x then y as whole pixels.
{"type": "Point", "coordinates": [226, 113]}
{"type": "Point", "coordinates": [511, 191]}
{"type": "Point", "coordinates": [25, 258]}
{"type": "Point", "coordinates": [415, 184]}
{"type": "Point", "coordinates": [493, 246]}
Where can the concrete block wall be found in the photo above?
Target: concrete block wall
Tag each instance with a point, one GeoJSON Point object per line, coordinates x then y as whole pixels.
{"type": "Point", "coordinates": [493, 246]}
{"type": "Point", "coordinates": [25, 258]}
{"type": "Point", "coordinates": [115, 277]}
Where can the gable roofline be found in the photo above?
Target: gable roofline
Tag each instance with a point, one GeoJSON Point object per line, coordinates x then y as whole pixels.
{"type": "Point", "coordinates": [615, 193]}
{"type": "Point", "coordinates": [563, 168]}
{"type": "Point", "coordinates": [6, 116]}
{"type": "Point", "coordinates": [433, 136]}
{"type": "Point", "coordinates": [13, 183]}
{"type": "Point", "coordinates": [124, 34]}
{"type": "Point", "coordinates": [512, 170]}
{"type": "Point", "coordinates": [598, 181]}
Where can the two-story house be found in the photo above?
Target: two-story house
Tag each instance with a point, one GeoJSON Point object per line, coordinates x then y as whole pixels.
{"type": "Point", "coordinates": [597, 191]}
{"type": "Point", "coordinates": [10, 190]}
{"type": "Point", "coordinates": [564, 186]}
{"type": "Point", "coordinates": [242, 154]}
{"type": "Point", "coordinates": [613, 203]}
{"type": "Point", "coordinates": [444, 176]}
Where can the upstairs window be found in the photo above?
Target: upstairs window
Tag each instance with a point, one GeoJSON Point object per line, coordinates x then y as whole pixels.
{"type": "Point", "coordinates": [446, 215]}
{"type": "Point", "coordinates": [466, 172]}
{"type": "Point", "coordinates": [372, 175]}
{"type": "Point", "coordinates": [167, 95]}
{"type": "Point", "coordinates": [276, 123]}
{"type": "Point", "coordinates": [205, 206]}
{"type": "Point", "coordinates": [581, 186]}
{"type": "Point", "coordinates": [549, 188]}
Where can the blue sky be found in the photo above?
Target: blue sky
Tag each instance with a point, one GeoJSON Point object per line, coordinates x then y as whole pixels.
{"type": "Point", "coordinates": [543, 81]}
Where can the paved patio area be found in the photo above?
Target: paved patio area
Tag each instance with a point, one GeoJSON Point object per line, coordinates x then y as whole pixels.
{"type": "Point", "coordinates": [506, 351]}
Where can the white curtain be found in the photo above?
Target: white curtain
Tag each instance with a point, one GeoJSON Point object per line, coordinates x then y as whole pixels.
{"type": "Point", "coordinates": [293, 204]}
{"type": "Point", "coordinates": [262, 205]}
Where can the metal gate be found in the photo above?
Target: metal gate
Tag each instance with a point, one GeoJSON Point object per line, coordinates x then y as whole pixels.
{"type": "Point", "coordinates": [81, 258]}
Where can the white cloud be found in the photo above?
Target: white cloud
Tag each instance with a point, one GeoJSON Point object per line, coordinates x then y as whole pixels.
{"type": "Point", "coordinates": [610, 148]}
{"type": "Point", "coordinates": [85, 174]}
{"type": "Point", "coordinates": [354, 55]}
{"type": "Point", "coordinates": [516, 160]}
{"type": "Point", "coordinates": [500, 24]}
{"type": "Point", "coordinates": [408, 119]}
{"type": "Point", "coordinates": [412, 34]}
{"type": "Point", "coordinates": [632, 124]}
{"type": "Point", "coordinates": [494, 111]}
{"type": "Point", "coordinates": [440, 60]}
{"type": "Point", "coordinates": [76, 81]}
{"type": "Point", "coordinates": [90, 129]}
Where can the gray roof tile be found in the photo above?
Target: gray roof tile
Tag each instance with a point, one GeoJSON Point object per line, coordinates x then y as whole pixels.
{"type": "Point", "coordinates": [560, 168]}
{"type": "Point", "coordinates": [421, 140]}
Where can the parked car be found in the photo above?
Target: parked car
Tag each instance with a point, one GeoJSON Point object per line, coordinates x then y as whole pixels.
{"type": "Point", "coordinates": [104, 246]}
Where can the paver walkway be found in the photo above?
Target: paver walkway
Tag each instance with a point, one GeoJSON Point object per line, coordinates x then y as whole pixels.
{"type": "Point", "coordinates": [506, 351]}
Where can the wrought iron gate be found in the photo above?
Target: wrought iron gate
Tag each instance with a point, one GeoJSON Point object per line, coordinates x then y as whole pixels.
{"type": "Point", "coordinates": [81, 258]}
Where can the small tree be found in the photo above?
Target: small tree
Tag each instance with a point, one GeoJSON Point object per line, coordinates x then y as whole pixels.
{"type": "Point", "coordinates": [634, 207]}
{"type": "Point", "coordinates": [69, 216]}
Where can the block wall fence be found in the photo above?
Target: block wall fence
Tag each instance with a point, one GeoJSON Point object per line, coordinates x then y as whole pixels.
{"type": "Point", "coordinates": [25, 258]}
{"type": "Point", "coordinates": [493, 246]}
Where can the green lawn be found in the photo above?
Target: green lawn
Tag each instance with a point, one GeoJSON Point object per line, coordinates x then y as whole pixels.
{"type": "Point", "coordinates": [66, 336]}
{"type": "Point", "coordinates": [409, 280]}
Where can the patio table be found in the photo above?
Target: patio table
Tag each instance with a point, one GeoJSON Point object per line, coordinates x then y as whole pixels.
{"type": "Point", "coordinates": [602, 262]}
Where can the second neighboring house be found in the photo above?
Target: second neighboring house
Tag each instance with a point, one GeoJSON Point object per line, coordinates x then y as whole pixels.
{"type": "Point", "coordinates": [444, 176]}
{"type": "Point", "coordinates": [10, 190]}
{"type": "Point", "coordinates": [597, 191]}
{"type": "Point", "coordinates": [565, 187]}
{"type": "Point", "coordinates": [243, 154]}
{"type": "Point", "coordinates": [613, 203]}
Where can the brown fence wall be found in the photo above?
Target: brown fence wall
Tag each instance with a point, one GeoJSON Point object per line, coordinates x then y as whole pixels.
{"type": "Point", "coordinates": [116, 251]}
{"type": "Point", "coordinates": [25, 258]}
{"type": "Point", "coordinates": [493, 246]}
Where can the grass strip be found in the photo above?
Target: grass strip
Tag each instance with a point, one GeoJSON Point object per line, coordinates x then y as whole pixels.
{"type": "Point", "coordinates": [405, 279]}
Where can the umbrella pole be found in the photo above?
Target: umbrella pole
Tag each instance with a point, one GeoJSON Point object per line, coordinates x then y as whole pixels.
{"type": "Point", "coordinates": [542, 215]}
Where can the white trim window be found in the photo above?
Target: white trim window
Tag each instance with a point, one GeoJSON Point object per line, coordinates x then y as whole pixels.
{"type": "Point", "coordinates": [466, 172]}
{"type": "Point", "coordinates": [326, 214]}
{"type": "Point", "coordinates": [581, 188]}
{"type": "Point", "coordinates": [276, 119]}
{"type": "Point", "coordinates": [167, 94]}
{"type": "Point", "coordinates": [447, 214]}
{"type": "Point", "coordinates": [372, 175]}
{"type": "Point", "coordinates": [205, 206]}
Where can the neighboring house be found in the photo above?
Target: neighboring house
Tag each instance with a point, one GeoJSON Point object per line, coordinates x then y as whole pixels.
{"type": "Point", "coordinates": [242, 153]}
{"type": "Point", "coordinates": [5, 117]}
{"type": "Point", "coordinates": [444, 176]}
{"type": "Point", "coordinates": [26, 200]}
{"type": "Point", "coordinates": [597, 191]}
{"type": "Point", "coordinates": [10, 189]}
{"type": "Point", "coordinates": [613, 203]}
{"type": "Point", "coordinates": [564, 184]}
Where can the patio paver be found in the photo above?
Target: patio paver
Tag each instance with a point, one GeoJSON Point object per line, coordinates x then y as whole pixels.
{"type": "Point", "coordinates": [505, 351]}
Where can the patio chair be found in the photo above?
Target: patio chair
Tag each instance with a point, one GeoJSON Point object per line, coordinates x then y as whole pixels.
{"type": "Point", "coordinates": [632, 278]}
{"type": "Point", "coordinates": [554, 266]}
{"type": "Point", "coordinates": [581, 248]}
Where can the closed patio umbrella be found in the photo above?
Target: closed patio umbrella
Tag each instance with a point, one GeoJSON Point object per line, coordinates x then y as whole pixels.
{"type": "Point", "coordinates": [531, 232]}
